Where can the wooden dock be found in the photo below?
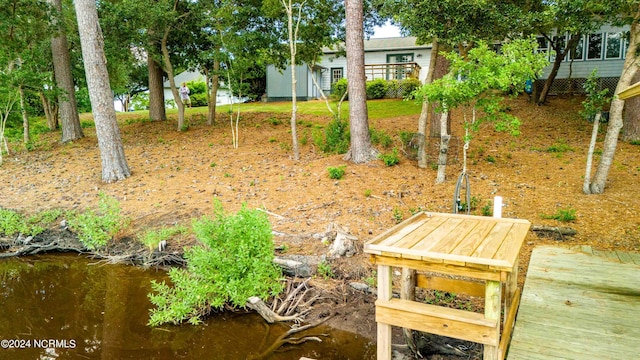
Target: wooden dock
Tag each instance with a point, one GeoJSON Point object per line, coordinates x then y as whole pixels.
{"type": "Point", "coordinates": [579, 304]}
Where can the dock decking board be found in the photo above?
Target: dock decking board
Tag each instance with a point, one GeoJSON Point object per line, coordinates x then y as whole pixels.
{"type": "Point", "coordinates": [578, 304]}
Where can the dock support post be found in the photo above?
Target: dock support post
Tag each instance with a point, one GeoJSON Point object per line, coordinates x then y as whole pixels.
{"type": "Point", "coordinates": [384, 330]}
{"type": "Point", "coordinates": [492, 307]}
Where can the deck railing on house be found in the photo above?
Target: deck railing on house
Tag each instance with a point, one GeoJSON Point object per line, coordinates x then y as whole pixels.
{"type": "Point", "coordinates": [392, 71]}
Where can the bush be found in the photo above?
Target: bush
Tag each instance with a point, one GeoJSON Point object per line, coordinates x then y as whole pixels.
{"type": "Point", "coordinates": [408, 86]}
{"type": "Point", "coordinates": [336, 172]}
{"type": "Point", "coordinates": [233, 262]}
{"type": "Point", "coordinates": [12, 223]}
{"type": "Point", "coordinates": [391, 158]}
{"type": "Point", "coordinates": [95, 229]}
{"type": "Point", "coordinates": [336, 137]}
{"type": "Point", "coordinates": [339, 88]}
{"type": "Point", "coordinates": [199, 99]}
{"type": "Point", "coordinates": [380, 137]}
{"type": "Point", "coordinates": [376, 89]}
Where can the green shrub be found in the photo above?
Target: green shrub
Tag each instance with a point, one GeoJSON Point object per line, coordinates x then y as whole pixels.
{"type": "Point", "coordinates": [408, 86]}
{"type": "Point", "coordinates": [233, 262]}
{"type": "Point", "coordinates": [376, 89]}
{"type": "Point", "coordinates": [339, 88]}
{"type": "Point", "coordinates": [380, 137]}
{"type": "Point", "coordinates": [199, 99]}
{"type": "Point", "coordinates": [324, 270]}
{"type": "Point", "coordinates": [336, 172]}
{"type": "Point", "coordinates": [11, 223]}
{"type": "Point", "coordinates": [391, 158]}
{"type": "Point", "coordinates": [95, 229]}
{"type": "Point", "coordinates": [336, 137]}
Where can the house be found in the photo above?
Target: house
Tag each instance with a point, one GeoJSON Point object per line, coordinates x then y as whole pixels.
{"type": "Point", "coordinates": [399, 58]}
{"type": "Point", "coordinates": [223, 96]}
{"type": "Point", "coordinates": [387, 58]}
{"type": "Point", "coordinates": [604, 50]}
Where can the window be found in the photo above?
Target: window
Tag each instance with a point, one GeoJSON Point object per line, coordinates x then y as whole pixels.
{"type": "Point", "coordinates": [578, 52]}
{"type": "Point", "coordinates": [594, 47]}
{"type": "Point", "coordinates": [543, 44]}
{"type": "Point", "coordinates": [336, 74]}
{"type": "Point", "coordinates": [614, 45]}
{"type": "Point", "coordinates": [398, 72]}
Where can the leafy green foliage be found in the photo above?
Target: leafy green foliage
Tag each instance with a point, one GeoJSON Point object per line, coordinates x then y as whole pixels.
{"type": "Point", "coordinates": [398, 216]}
{"type": "Point", "coordinates": [233, 262]}
{"type": "Point", "coordinates": [336, 172]}
{"type": "Point", "coordinates": [336, 137]}
{"type": "Point", "coordinates": [475, 81]}
{"type": "Point", "coordinates": [197, 93]}
{"type": "Point", "coordinates": [596, 100]}
{"type": "Point", "coordinates": [376, 89]}
{"type": "Point", "coordinates": [324, 270]}
{"type": "Point", "coordinates": [12, 223]}
{"type": "Point", "coordinates": [339, 88]}
{"type": "Point", "coordinates": [391, 158]}
{"type": "Point", "coordinates": [153, 238]}
{"type": "Point", "coordinates": [562, 215]}
{"type": "Point", "coordinates": [380, 137]}
{"type": "Point", "coordinates": [96, 228]}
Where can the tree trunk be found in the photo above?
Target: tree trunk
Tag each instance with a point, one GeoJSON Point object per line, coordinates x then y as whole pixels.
{"type": "Point", "coordinates": [435, 123]}
{"type": "Point", "coordinates": [444, 148]}
{"type": "Point", "coordinates": [157, 110]}
{"type": "Point", "coordinates": [212, 97]}
{"type": "Point", "coordinates": [631, 125]}
{"type": "Point", "coordinates": [560, 55]}
{"type": "Point", "coordinates": [361, 150]}
{"type": "Point", "coordinates": [615, 112]}
{"type": "Point", "coordinates": [49, 112]}
{"type": "Point", "coordinates": [67, 106]}
{"type": "Point", "coordinates": [25, 118]}
{"type": "Point", "coordinates": [592, 145]}
{"type": "Point", "coordinates": [293, 49]}
{"type": "Point", "coordinates": [426, 109]}
{"type": "Point", "coordinates": [114, 163]}
{"type": "Point", "coordinates": [172, 81]}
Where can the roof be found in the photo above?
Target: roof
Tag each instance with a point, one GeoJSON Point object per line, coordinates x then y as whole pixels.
{"type": "Point", "coordinates": [386, 44]}
{"type": "Point", "coordinates": [185, 76]}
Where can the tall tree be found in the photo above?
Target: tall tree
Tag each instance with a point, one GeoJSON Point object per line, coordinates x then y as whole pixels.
{"type": "Point", "coordinates": [453, 24]}
{"type": "Point", "coordinates": [310, 26]}
{"type": "Point", "coordinates": [563, 23]}
{"type": "Point", "coordinates": [114, 163]}
{"type": "Point", "coordinates": [624, 12]}
{"type": "Point", "coordinates": [360, 150]}
{"type": "Point", "coordinates": [157, 110]}
{"type": "Point", "coordinates": [631, 123]}
{"type": "Point", "coordinates": [484, 71]}
{"type": "Point", "coordinates": [68, 111]}
{"type": "Point", "coordinates": [294, 16]}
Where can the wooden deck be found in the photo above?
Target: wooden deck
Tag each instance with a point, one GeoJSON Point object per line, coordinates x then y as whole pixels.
{"type": "Point", "coordinates": [579, 304]}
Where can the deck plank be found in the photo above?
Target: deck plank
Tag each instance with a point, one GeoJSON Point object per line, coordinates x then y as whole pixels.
{"type": "Point", "coordinates": [578, 306]}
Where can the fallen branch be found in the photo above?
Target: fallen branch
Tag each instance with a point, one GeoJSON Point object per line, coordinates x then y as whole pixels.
{"type": "Point", "coordinates": [555, 232]}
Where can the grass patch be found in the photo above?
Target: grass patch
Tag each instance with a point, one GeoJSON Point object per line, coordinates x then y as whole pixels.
{"type": "Point", "coordinates": [562, 215]}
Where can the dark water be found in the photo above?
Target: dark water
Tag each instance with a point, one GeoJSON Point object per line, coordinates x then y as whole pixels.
{"type": "Point", "coordinates": [69, 307]}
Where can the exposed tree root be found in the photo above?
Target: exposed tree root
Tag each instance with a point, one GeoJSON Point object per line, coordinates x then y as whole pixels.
{"type": "Point", "coordinates": [298, 301]}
